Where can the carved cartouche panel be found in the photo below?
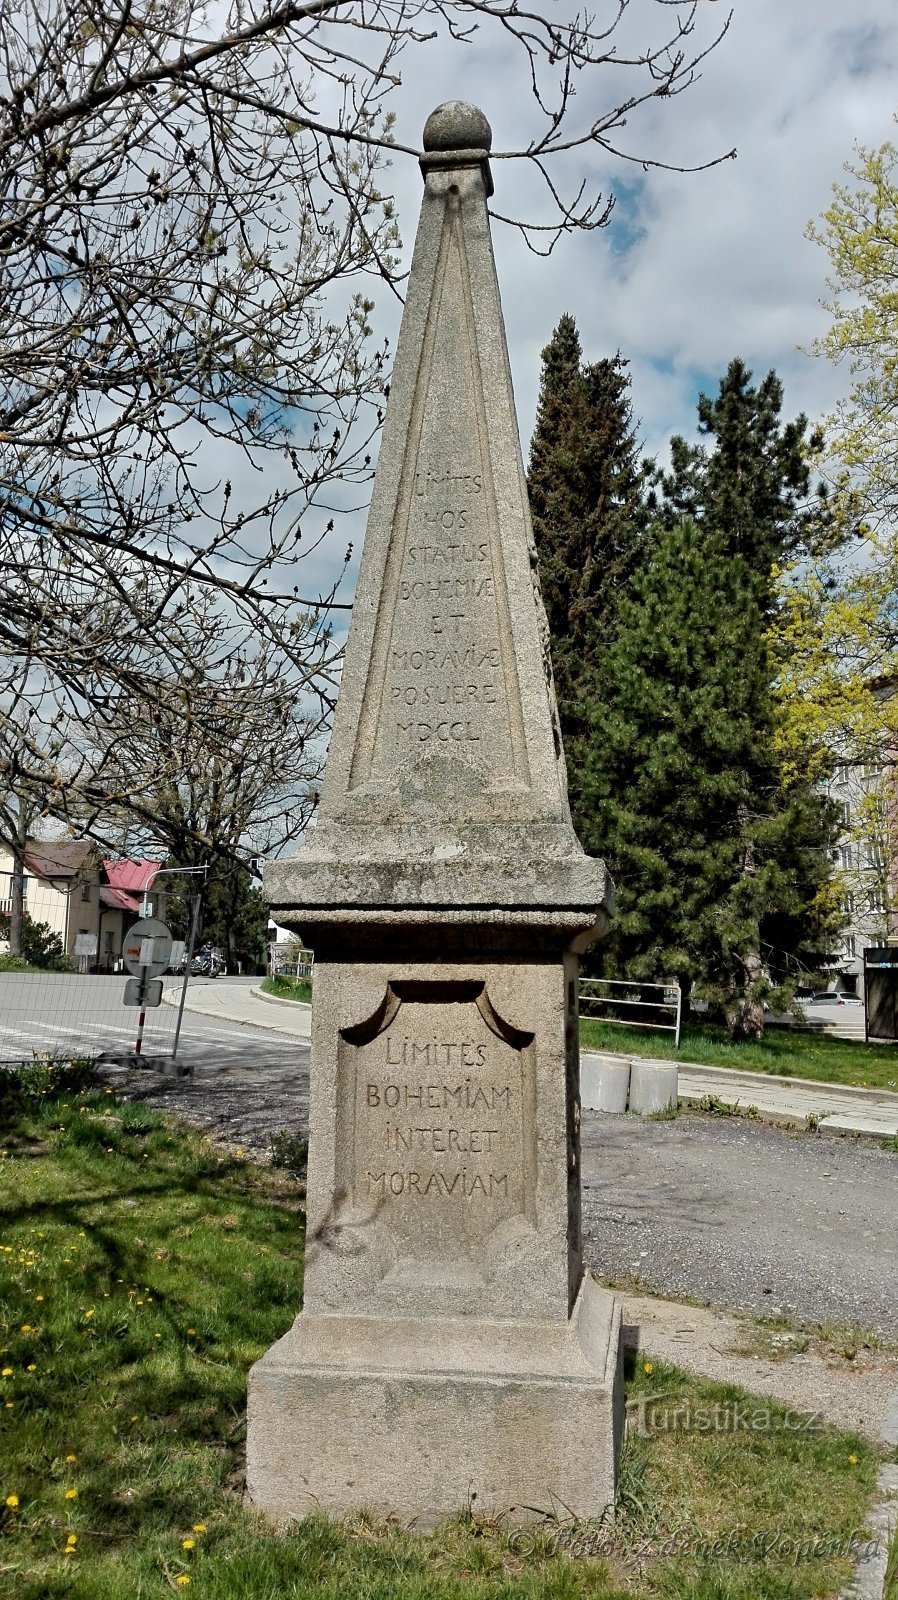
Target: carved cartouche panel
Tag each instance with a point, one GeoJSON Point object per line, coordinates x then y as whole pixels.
{"type": "Point", "coordinates": [440, 1168]}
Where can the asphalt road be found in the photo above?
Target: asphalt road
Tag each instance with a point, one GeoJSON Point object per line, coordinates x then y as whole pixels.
{"type": "Point", "coordinates": [730, 1212]}
{"type": "Point", "coordinates": [244, 1081]}
{"type": "Point", "coordinates": [745, 1216]}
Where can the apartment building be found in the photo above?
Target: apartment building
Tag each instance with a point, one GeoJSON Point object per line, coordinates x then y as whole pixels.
{"type": "Point", "coordinates": [866, 860]}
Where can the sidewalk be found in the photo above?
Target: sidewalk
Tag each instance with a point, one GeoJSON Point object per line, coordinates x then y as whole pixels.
{"type": "Point", "coordinates": [836, 1106]}
{"type": "Point", "coordinates": [246, 1004]}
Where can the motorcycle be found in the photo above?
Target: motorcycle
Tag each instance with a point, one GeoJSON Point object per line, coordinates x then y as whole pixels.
{"type": "Point", "coordinates": [208, 963]}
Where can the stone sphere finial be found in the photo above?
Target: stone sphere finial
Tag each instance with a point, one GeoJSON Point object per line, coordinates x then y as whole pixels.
{"type": "Point", "coordinates": [456, 125]}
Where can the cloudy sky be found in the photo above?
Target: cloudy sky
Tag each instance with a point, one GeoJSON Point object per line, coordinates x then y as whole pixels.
{"type": "Point", "coordinates": [697, 268]}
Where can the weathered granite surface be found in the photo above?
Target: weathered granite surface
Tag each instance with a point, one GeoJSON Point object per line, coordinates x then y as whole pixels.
{"type": "Point", "coordinates": [449, 1346]}
{"type": "Point", "coordinates": [445, 1179]}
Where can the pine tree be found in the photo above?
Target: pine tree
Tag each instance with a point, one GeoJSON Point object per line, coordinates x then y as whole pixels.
{"type": "Point", "coordinates": [585, 482]}
{"type": "Point", "coordinates": [751, 482]}
{"type": "Point", "coordinates": [722, 868]}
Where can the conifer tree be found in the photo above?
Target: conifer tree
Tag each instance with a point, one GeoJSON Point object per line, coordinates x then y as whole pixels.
{"type": "Point", "coordinates": [751, 480]}
{"type": "Point", "coordinates": [586, 497]}
{"type": "Point", "coordinates": [722, 868]}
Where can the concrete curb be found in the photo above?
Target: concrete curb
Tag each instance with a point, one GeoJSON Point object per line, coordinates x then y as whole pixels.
{"type": "Point", "coordinates": [733, 1077]}
{"type": "Point", "coordinates": [869, 1579]}
{"type": "Point", "coordinates": [278, 1000]}
{"type": "Point", "coordinates": [836, 1108]}
{"type": "Point", "coordinates": [236, 1014]}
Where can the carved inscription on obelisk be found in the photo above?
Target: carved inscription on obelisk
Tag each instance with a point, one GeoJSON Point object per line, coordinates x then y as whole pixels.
{"type": "Point", "coordinates": [440, 1093]}
{"type": "Point", "coordinates": [443, 676]}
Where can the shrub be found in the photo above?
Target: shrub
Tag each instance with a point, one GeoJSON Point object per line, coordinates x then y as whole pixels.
{"type": "Point", "coordinates": [45, 1078]}
{"type": "Point", "coordinates": [290, 1149]}
{"type": "Point", "coordinates": [41, 945]}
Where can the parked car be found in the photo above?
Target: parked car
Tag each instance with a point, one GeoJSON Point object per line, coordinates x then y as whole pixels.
{"type": "Point", "coordinates": [833, 997]}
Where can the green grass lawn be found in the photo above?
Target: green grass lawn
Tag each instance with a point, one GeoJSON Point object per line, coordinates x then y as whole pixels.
{"type": "Point", "coordinates": [794, 1054]}
{"type": "Point", "coordinates": [141, 1273]}
{"type": "Point", "coordinates": [288, 988]}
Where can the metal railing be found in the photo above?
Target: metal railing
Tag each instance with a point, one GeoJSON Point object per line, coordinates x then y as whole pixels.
{"type": "Point", "coordinates": [290, 962]}
{"type": "Point", "coordinates": [595, 1001]}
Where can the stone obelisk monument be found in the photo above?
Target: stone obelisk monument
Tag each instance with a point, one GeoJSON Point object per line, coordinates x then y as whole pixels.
{"type": "Point", "coordinates": [451, 1351]}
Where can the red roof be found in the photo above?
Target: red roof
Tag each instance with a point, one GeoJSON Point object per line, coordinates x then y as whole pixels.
{"type": "Point", "coordinates": [136, 876]}
{"type": "Point", "coordinates": [119, 900]}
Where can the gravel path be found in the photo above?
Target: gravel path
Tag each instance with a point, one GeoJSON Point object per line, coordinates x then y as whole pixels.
{"type": "Point", "coordinates": [241, 1099]}
{"type": "Point", "coordinates": [815, 1378]}
{"type": "Point", "coordinates": [744, 1216]}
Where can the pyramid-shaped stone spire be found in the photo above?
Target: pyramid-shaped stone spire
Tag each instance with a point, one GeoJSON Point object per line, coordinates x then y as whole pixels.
{"type": "Point", "coordinates": [446, 760]}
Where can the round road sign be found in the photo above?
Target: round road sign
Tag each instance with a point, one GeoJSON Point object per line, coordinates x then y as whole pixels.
{"type": "Point", "coordinates": [147, 947]}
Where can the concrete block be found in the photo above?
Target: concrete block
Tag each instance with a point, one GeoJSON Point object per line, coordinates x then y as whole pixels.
{"type": "Point", "coordinates": [653, 1086]}
{"type": "Point", "coordinates": [604, 1083]}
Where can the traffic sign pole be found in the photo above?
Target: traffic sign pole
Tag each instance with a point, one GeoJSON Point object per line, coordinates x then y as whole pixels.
{"type": "Point", "coordinates": [145, 951]}
{"type": "Point", "coordinates": [144, 979]}
{"type": "Point", "coordinates": [188, 958]}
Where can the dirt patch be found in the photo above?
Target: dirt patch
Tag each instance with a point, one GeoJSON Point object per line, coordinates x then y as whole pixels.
{"type": "Point", "coordinates": [859, 1394]}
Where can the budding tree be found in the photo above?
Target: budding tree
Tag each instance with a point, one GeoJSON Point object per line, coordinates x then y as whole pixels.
{"type": "Point", "coordinates": [196, 209]}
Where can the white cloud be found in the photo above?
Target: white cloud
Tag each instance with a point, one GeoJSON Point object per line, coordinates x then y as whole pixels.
{"type": "Point", "coordinates": [719, 264]}
{"type": "Point", "coordinates": [696, 268]}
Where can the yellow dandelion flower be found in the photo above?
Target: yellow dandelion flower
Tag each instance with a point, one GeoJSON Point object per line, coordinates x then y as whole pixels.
{"type": "Point", "coordinates": [647, 1366]}
{"type": "Point", "coordinates": [71, 1494]}
{"type": "Point", "coordinates": [7, 1372]}
{"type": "Point", "coordinates": [72, 1538]}
{"type": "Point", "coordinates": [10, 1405]}
{"type": "Point", "coordinates": [38, 1297]}
{"type": "Point", "coordinates": [181, 1579]}
{"type": "Point", "coordinates": [25, 1328]}
{"type": "Point", "coordinates": [199, 1527]}
{"type": "Point", "coordinates": [188, 1544]}
{"type": "Point", "coordinates": [90, 1312]}
{"type": "Point", "coordinates": [70, 1550]}
{"type": "Point", "coordinates": [191, 1330]}
{"type": "Point", "coordinates": [71, 1457]}
{"type": "Point", "coordinates": [157, 1336]}
{"type": "Point", "coordinates": [853, 1460]}
{"type": "Point", "coordinates": [135, 1417]}
{"type": "Point", "coordinates": [12, 1500]}
{"type": "Point", "coordinates": [31, 1367]}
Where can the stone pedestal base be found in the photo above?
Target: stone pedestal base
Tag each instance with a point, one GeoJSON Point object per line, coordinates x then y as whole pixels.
{"type": "Point", "coordinates": [425, 1417]}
